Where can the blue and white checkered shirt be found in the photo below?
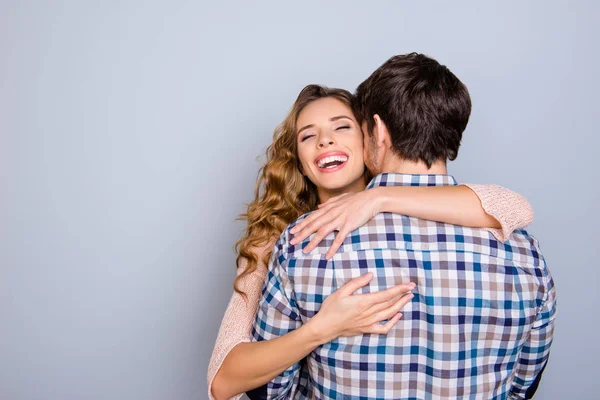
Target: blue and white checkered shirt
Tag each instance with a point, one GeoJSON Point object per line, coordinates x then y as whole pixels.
{"type": "Point", "coordinates": [480, 325]}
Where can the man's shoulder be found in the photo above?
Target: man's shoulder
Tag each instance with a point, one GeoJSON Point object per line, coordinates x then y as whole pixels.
{"type": "Point", "coordinates": [525, 249]}
{"type": "Point", "coordinates": [282, 246]}
{"type": "Point", "coordinates": [413, 233]}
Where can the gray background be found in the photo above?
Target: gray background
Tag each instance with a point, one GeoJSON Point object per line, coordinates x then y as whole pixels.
{"type": "Point", "coordinates": [130, 132]}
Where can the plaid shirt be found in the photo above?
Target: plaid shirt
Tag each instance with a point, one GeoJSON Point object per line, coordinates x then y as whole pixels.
{"type": "Point", "coordinates": [480, 325]}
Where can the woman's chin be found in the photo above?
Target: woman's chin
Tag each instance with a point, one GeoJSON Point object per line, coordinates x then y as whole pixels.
{"type": "Point", "coordinates": [332, 185]}
{"type": "Point", "coordinates": [338, 187]}
{"type": "Point", "coordinates": [340, 182]}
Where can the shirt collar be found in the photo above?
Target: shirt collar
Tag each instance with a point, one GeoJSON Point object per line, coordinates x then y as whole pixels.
{"type": "Point", "coordinates": [391, 179]}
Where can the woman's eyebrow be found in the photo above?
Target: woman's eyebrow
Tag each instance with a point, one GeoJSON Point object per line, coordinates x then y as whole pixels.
{"type": "Point", "coordinates": [305, 127]}
{"type": "Point", "coordinates": [340, 117]}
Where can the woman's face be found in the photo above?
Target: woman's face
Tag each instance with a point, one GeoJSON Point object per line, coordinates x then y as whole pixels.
{"type": "Point", "coordinates": [330, 147]}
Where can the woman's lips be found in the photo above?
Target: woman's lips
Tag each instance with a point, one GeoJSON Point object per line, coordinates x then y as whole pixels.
{"type": "Point", "coordinates": [332, 169]}
{"type": "Point", "coordinates": [331, 161]}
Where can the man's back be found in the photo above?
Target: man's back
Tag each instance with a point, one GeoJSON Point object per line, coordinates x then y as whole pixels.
{"type": "Point", "coordinates": [480, 324]}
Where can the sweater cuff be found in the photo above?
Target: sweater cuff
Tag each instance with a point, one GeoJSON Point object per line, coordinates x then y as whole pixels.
{"type": "Point", "coordinates": [512, 210]}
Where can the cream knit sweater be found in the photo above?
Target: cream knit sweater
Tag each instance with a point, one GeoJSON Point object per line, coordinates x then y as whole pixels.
{"type": "Point", "coordinates": [511, 209]}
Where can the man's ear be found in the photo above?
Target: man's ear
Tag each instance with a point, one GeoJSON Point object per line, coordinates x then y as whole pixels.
{"type": "Point", "coordinates": [381, 133]}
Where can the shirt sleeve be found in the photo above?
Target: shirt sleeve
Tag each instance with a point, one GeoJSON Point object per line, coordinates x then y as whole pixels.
{"type": "Point", "coordinates": [509, 208]}
{"type": "Point", "coordinates": [239, 316]}
{"type": "Point", "coordinates": [535, 351]}
{"type": "Point", "coordinates": [277, 315]}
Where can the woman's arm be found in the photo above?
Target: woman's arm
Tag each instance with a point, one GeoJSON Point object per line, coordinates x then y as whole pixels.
{"type": "Point", "coordinates": [235, 328]}
{"type": "Point", "coordinates": [238, 366]}
{"type": "Point", "coordinates": [457, 205]}
{"type": "Point", "coordinates": [478, 206]}
{"type": "Point", "coordinates": [250, 365]}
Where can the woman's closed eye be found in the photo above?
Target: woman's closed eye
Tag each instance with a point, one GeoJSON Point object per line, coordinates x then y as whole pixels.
{"type": "Point", "coordinates": [343, 127]}
{"type": "Point", "coordinates": [308, 136]}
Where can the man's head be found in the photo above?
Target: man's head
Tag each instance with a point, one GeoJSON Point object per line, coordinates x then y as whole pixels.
{"type": "Point", "coordinates": [413, 110]}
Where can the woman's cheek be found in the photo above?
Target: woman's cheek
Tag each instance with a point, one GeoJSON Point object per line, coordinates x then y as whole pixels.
{"type": "Point", "coordinates": [302, 157]}
{"type": "Point", "coordinates": [359, 147]}
{"type": "Point", "coordinates": [306, 171]}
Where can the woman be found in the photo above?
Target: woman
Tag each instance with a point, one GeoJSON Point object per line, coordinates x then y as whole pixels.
{"type": "Point", "coordinates": [316, 156]}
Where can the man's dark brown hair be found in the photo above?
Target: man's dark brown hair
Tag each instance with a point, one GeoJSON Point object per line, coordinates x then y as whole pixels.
{"type": "Point", "coordinates": [425, 107]}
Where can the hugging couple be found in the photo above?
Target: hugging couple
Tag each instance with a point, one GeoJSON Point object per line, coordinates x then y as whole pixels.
{"type": "Point", "coordinates": [367, 272]}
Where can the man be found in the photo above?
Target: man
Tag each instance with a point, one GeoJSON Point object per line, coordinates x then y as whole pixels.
{"type": "Point", "coordinates": [482, 320]}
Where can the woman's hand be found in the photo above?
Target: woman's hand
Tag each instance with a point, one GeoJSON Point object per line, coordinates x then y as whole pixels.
{"type": "Point", "coordinates": [346, 314]}
{"type": "Point", "coordinates": [343, 213]}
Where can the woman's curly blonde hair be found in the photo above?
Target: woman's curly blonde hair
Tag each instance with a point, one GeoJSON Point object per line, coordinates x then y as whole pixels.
{"type": "Point", "coordinates": [282, 192]}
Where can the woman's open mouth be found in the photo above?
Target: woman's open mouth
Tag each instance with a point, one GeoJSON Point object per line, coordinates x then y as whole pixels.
{"type": "Point", "coordinates": [331, 162]}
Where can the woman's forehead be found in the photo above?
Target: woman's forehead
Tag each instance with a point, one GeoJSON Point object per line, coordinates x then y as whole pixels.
{"type": "Point", "coordinates": [323, 110]}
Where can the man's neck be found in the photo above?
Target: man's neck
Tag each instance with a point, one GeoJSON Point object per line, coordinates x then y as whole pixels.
{"type": "Point", "coordinates": [400, 166]}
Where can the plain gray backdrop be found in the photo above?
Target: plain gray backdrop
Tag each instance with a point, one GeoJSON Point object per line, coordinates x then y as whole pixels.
{"type": "Point", "coordinates": [130, 132]}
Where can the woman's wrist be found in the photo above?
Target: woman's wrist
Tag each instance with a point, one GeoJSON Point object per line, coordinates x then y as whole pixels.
{"type": "Point", "coordinates": [317, 332]}
{"type": "Point", "coordinates": [380, 199]}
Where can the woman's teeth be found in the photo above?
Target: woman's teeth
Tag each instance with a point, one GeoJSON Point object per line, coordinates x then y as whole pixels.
{"type": "Point", "coordinates": [333, 161]}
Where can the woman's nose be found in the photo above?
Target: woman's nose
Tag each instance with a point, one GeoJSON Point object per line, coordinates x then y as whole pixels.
{"type": "Point", "coordinates": [326, 142]}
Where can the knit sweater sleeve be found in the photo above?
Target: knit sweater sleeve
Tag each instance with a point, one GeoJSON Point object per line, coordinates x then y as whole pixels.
{"type": "Point", "coordinates": [511, 209]}
{"type": "Point", "coordinates": [237, 322]}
